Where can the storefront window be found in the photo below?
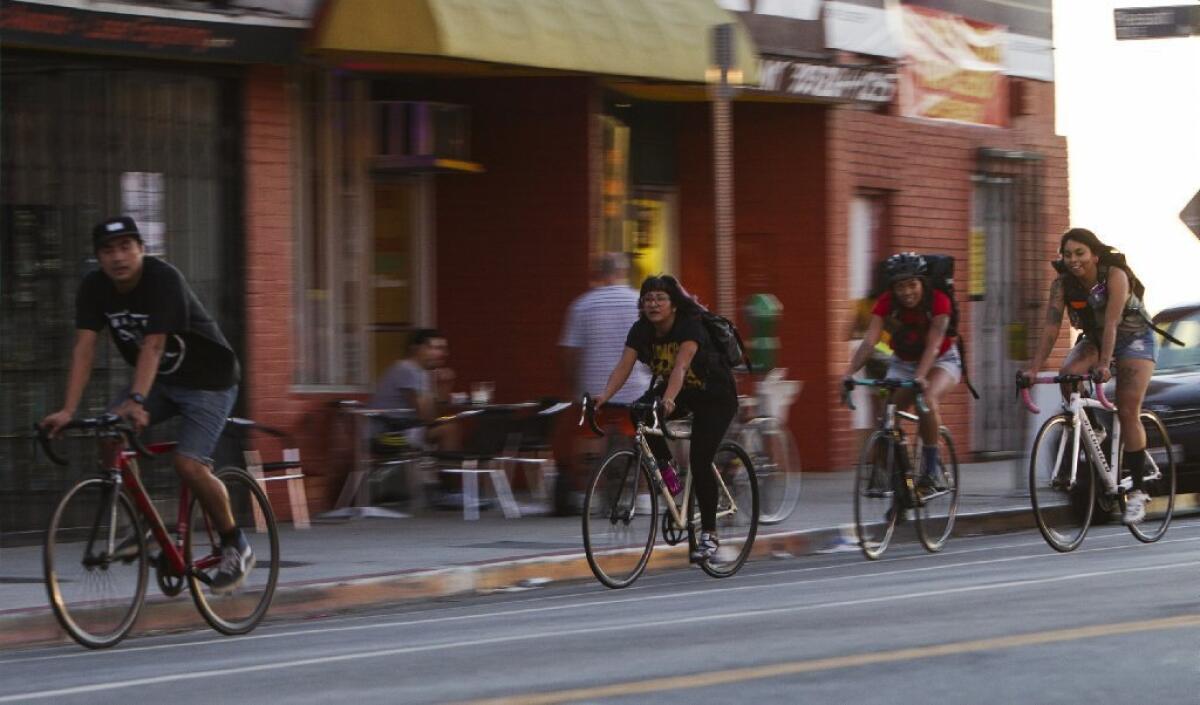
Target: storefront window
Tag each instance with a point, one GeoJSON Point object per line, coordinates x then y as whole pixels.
{"type": "Point", "coordinates": [331, 261]}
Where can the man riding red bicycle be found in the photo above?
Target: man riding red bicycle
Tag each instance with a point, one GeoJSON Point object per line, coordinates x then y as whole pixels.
{"type": "Point", "coordinates": [183, 366]}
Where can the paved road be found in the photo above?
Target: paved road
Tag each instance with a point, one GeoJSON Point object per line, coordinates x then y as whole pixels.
{"type": "Point", "coordinates": [997, 619]}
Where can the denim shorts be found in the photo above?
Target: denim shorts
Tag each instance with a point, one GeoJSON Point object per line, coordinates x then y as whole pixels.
{"type": "Point", "coordinates": [950, 361]}
{"type": "Point", "coordinates": [203, 411]}
{"type": "Point", "coordinates": [1137, 346]}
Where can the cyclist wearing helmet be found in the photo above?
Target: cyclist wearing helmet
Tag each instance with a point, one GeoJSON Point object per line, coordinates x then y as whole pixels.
{"type": "Point", "coordinates": [917, 317]}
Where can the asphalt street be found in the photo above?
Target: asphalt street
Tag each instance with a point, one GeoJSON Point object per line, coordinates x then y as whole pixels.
{"type": "Point", "coordinates": [995, 619]}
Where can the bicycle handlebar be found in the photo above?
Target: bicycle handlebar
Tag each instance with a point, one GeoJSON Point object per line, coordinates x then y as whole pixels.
{"type": "Point", "coordinates": [1024, 385]}
{"type": "Point", "coordinates": [107, 422]}
{"type": "Point", "coordinates": [655, 409]}
{"type": "Point", "coordinates": [889, 384]}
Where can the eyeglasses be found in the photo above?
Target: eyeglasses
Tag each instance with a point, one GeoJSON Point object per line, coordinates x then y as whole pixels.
{"type": "Point", "coordinates": [652, 299]}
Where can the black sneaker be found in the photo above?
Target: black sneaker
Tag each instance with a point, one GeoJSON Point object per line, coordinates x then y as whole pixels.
{"type": "Point", "coordinates": [236, 561]}
{"type": "Point", "coordinates": [931, 483]}
{"type": "Point", "coordinates": [706, 547]}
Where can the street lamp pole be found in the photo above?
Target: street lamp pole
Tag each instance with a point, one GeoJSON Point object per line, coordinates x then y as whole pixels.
{"type": "Point", "coordinates": [723, 79]}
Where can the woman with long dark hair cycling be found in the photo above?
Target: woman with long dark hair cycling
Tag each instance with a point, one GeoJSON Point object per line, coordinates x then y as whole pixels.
{"type": "Point", "coordinates": [689, 376]}
{"type": "Point", "coordinates": [1116, 332]}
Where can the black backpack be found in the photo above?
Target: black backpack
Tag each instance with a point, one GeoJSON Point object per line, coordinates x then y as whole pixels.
{"type": "Point", "coordinates": [1112, 258]}
{"type": "Point", "coordinates": [939, 273]}
{"type": "Point", "coordinates": [727, 343]}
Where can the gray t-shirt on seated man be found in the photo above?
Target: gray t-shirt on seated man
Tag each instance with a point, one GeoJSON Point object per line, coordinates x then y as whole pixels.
{"type": "Point", "coordinates": [399, 389]}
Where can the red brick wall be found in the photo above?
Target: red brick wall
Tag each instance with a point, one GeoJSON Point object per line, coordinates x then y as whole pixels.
{"type": "Point", "coordinates": [927, 169]}
{"type": "Point", "coordinates": [512, 242]}
{"type": "Point", "coordinates": [268, 367]}
{"type": "Point", "coordinates": [779, 212]}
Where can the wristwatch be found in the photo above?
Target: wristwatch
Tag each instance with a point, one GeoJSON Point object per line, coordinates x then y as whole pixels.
{"type": "Point", "coordinates": [137, 398]}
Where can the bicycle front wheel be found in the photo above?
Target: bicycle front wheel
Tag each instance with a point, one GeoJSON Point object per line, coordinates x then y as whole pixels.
{"type": "Point", "coordinates": [1158, 482]}
{"type": "Point", "coordinates": [238, 611]}
{"type": "Point", "coordinates": [619, 523]}
{"type": "Point", "coordinates": [875, 501]}
{"type": "Point", "coordinates": [937, 507]}
{"type": "Point", "coordinates": [1062, 491]}
{"type": "Point", "coordinates": [95, 563]}
{"type": "Point", "coordinates": [772, 449]}
{"type": "Point", "coordinates": [737, 511]}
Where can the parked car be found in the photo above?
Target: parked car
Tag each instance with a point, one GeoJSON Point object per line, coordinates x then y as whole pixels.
{"type": "Point", "coordinates": [1174, 392]}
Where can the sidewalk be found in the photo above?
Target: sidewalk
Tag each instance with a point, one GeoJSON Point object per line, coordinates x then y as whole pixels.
{"type": "Point", "coordinates": [370, 562]}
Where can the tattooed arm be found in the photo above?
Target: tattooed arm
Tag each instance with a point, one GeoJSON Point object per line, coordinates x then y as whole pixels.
{"type": "Point", "coordinates": [1055, 305]}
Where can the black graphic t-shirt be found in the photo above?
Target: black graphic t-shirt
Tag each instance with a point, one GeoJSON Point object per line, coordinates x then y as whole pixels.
{"type": "Point", "coordinates": [196, 354]}
{"type": "Point", "coordinates": [705, 374]}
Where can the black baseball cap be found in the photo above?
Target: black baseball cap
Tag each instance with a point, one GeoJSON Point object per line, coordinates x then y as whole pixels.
{"type": "Point", "coordinates": [114, 227]}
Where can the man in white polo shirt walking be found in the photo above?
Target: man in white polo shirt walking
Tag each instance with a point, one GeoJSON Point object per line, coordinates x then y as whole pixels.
{"type": "Point", "coordinates": [592, 341]}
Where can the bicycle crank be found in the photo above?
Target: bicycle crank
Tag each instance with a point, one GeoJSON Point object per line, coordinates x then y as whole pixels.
{"type": "Point", "coordinates": [672, 534]}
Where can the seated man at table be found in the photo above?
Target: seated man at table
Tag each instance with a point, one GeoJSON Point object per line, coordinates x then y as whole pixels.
{"type": "Point", "coordinates": [413, 388]}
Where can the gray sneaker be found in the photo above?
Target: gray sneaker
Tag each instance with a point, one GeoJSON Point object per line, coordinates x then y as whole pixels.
{"type": "Point", "coordinates": [706, 547]}
{"type": "Point", "coordinates": [236, 562]}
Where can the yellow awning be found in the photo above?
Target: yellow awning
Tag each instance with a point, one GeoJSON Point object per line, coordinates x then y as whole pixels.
{"type": "Point", "coordinates": [664, 40]}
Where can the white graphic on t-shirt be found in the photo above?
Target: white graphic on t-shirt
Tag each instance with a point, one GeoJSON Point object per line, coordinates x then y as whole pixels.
{"type": "Point", "coordinates": [130, 327]}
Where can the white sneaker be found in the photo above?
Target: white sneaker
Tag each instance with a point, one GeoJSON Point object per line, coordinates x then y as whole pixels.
{"type": "Point", "coordinates": [1135, 507]}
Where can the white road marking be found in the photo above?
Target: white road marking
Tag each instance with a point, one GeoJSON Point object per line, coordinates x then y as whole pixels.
{"type": "Point", "coordinates": [672, 595]}
{"type": "Point", "coordinates": [224, 673]}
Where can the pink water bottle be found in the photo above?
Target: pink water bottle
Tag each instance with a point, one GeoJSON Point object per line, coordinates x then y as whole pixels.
{"type": "Point", "coordinates": [671, 478]}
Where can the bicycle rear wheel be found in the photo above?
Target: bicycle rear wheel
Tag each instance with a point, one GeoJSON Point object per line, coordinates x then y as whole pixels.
{"type": "Point", "coordinates": [1062, 504]}
{"type": "Point", "coordinates": [239, 611]}
{"type": "Point", "coordinates": [619, 523]}
{"type": "Point", "coordinates": [737, 511]}
{"type": "Point", "coordinates": [936, 509]}
{"type": "Point", "coordinates": [875, 500]}
{"type": "Point", "coordinates": [1158, 482]}
{"type": "Point", "coordinates": [772, 449]}
{"type": "Point", "coordinates": [95, 563]}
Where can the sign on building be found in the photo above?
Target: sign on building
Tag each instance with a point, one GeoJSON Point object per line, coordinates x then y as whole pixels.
{"type": "Point", "coordinates": [952, 68]}
{"type": "Point", "coordinates": [1157, 22]}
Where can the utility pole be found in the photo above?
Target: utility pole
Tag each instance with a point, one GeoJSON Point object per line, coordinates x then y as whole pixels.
{"type": "Point", "coordinates": [723, 79]}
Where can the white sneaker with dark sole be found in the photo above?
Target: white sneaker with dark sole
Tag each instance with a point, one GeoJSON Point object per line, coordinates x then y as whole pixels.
{"type": "Point", "coordinates": [1135, 507]}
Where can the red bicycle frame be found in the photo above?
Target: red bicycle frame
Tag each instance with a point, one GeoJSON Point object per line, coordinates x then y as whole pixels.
{"type": "Point", "coordinates": [172, 550]}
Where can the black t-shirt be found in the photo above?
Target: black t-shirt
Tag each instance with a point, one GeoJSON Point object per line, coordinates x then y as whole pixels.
{"type": "Point", "coordinates": [196, 354]}
{"type": "Point", "coordinates": [706, 374]}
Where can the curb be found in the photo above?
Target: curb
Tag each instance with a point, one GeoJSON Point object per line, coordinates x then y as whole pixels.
{"type": "Point", "coordinates": [38, 626]}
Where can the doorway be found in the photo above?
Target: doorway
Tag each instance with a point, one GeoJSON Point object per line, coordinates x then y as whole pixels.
{"type": "Point", "coordinates": [996, 330]}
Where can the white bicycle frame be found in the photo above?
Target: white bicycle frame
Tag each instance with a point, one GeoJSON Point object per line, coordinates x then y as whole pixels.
{"type": "Point", "coordinates": [1109, 468]}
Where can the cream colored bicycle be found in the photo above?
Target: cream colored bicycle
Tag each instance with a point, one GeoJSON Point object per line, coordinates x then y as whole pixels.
{"type": "Point", "coordinates": [620, 510]}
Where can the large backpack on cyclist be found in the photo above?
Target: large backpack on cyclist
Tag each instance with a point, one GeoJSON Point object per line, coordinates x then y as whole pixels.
{"type": "Point", "coordinates": [727, 342]}
{"type": "Point", "coordinates": [1082, 316]}
{"type": "Point", "coordinates": [939, 273]}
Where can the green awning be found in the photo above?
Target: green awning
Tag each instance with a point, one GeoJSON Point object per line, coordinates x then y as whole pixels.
{"type": "Point", "coordinates": [664, 40]}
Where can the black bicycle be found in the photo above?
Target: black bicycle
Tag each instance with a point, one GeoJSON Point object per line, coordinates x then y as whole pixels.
{"type": "Point", "coordinates": [887, 485]}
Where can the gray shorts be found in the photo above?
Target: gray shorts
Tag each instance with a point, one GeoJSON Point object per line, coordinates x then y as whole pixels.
{"type": "Point", "coordinates": [1136, 346]}
{"type": "Point", "coordinates": [950, 361]}
{"type": "Point", "coordinates": [203, 413]}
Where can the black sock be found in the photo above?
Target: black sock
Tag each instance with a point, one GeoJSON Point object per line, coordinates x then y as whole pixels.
{"type": "Point", "coordinates": [233, 537]}
{"type": "Point", "coordinates": [1135, 462]}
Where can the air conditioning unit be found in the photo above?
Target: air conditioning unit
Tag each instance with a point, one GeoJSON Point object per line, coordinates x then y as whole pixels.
{"type": "Point", "coordinates": [421, 136]}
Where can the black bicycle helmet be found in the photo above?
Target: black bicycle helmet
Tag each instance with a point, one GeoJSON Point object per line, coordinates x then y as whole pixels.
{"type": "Point", "coordinates": [904, 265]}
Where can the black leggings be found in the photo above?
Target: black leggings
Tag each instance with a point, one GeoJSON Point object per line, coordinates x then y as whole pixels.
{"type": "Point", "coordinates": [711, 416]}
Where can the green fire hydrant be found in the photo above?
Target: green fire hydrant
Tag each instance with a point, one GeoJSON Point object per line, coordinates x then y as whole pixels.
{"type": "Point", "coordinates": [762, 316]}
